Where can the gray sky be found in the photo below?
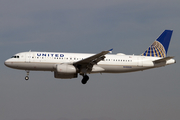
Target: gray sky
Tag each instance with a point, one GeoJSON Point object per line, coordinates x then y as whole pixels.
{"type": "Point", "coordinates": [88, 26]}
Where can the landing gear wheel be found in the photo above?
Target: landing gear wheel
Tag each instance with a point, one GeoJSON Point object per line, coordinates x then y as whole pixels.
{"type": "Point", "coordinates": [26, 78]}
{"type": "Point", "coordinates": [85, 79]}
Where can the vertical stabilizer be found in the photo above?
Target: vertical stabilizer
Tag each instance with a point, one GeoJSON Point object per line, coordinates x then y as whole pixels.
{"type": "Point", "coordinates": [160, 46]}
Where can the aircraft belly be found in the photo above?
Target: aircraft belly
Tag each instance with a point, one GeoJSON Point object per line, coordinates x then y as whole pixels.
{"type": "Point", "coordinates": [121, 68]}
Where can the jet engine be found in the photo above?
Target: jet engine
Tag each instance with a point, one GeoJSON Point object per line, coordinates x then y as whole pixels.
{"type": "Point", "coordinates": [65, 71]}
{"type": "Point", "coordinates": [65, 68]}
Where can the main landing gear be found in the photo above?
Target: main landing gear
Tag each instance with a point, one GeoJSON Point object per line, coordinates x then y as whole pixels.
{"type": "Point", "coordinates": [85, 79]}
{"type": "Point", "coordinates": [27, 77]}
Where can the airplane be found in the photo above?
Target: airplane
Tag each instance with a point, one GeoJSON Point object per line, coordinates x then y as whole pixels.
{"type": "Point", "coordinates": [69, 65]}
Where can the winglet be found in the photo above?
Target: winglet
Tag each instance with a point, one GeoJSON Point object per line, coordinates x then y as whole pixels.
{"type": "Point", "coordinates": [110, 51]}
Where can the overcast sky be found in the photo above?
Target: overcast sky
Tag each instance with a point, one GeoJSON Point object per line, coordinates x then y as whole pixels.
{"type": "Point", "coordinates": [88, 26]}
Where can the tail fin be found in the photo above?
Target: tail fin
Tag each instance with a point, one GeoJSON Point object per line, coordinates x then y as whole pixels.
{"type": "Point", "coordinates": [160, 46]}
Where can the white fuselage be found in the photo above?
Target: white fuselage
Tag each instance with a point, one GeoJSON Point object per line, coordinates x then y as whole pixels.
{"type": "Point", "coordinates": [113, 63]}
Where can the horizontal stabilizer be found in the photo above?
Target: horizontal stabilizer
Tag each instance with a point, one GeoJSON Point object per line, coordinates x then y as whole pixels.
{"type": "Point", "coordinates": [162, 60]}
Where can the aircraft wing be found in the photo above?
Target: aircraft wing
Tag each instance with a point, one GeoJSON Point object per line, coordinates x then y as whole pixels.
{"type": "Point", "coordinates": [88, 63]}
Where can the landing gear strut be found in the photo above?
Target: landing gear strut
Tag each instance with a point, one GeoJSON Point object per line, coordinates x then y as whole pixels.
{"type": "Point", "coordinates": [27, 77]}
{"type": "Point", "coordinates": [85, 79]}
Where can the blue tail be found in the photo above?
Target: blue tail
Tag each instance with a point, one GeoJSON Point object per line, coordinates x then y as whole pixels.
{"type": "Point", "coordinates": [160, 46]}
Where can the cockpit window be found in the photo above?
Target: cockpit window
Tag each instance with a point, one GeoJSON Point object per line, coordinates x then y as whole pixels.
{"type": "Point", "coordinates": [15, 57]}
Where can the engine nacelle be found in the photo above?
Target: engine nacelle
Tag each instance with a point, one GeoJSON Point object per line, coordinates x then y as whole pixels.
{"type": "Point", "coordinates": [65, 71]}
{"type": "Point", "coordinates": [65, 75]}
{"type": "Point", "coordinates": [65, 68]}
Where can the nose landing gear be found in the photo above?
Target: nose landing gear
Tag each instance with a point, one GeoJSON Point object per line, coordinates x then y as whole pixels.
{"type": "Point", "coordinates": [27, 77]}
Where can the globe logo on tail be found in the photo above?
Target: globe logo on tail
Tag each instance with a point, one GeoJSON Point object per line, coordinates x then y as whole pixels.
{"type": "Point", "coordinates": [155, 50]}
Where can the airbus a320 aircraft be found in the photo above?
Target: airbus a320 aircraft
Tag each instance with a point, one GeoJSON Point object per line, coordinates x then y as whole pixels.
{"type": "Point", "coordinates": [69, 65]}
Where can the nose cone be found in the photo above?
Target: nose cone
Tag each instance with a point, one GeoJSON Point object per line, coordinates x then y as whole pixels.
{"type": "Point", "coordinates": [7, 63]}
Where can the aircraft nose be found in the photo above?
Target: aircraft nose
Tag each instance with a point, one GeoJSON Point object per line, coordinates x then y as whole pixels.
{"type": "Point", "coordinates": [7, 63]}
